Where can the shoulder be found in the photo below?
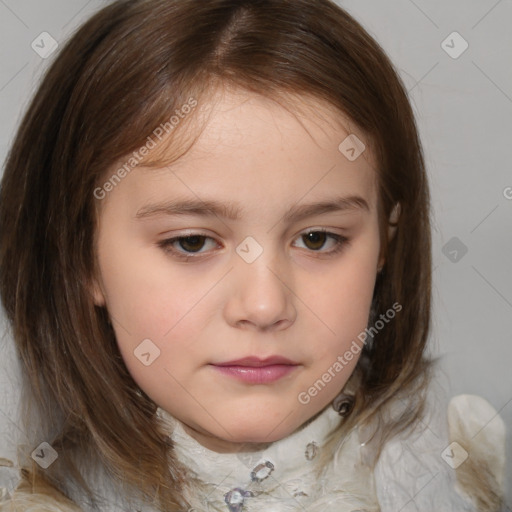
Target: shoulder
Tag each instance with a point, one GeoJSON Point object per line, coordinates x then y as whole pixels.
{"type": "Point", "coordinates": [17, 494]}
{"type": "Point", "coordinates": [477, 450]}
{"type": "Point", "coordinates": [453, 460]}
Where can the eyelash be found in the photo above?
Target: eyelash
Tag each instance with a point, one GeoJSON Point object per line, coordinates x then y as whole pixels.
{"type": "Point", "coordinates": [340, 243]}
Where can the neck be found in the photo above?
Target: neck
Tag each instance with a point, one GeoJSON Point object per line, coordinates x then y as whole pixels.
{"type": "Point", "coordinates": [221, 445]}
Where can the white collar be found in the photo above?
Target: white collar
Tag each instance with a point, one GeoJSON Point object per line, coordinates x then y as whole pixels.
{"type": "Point", "coordinates": [281, 477]}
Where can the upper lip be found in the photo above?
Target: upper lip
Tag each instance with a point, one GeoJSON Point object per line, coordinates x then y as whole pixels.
{"type": "Point", "coordinates": [257, 361]}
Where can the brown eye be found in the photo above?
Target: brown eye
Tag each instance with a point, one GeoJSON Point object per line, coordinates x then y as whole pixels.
{"type": "Point", "coordinates": [318, 241]}
{"type": "Point", "coordinates": [314, 240]}
{"type": "Point", "coordinates": [192, 243]}
{"type": "Point", "coordinates": [187, 247]}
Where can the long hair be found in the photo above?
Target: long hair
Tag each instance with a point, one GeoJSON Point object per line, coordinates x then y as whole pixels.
{"type": "Point", "coordinates": [122, 74]}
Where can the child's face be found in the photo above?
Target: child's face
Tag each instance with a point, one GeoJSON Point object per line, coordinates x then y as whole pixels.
{"type": "Point", "coordinates": [255, 287]}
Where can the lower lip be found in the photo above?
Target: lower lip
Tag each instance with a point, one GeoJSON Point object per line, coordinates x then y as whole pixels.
{"type": "Point", "coordinates": [257, 374]}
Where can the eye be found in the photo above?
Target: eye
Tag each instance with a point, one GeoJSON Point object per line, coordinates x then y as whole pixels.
{"type": "Point", "coordinates": [183, 246]}
{"type": "Point", "coordinates": [190, 247]}
{"type": "Point", "coordinates": [315, 240]}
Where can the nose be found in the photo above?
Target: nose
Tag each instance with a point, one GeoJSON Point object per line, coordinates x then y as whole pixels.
{"type": "Point", "coordinates": [262, 298]}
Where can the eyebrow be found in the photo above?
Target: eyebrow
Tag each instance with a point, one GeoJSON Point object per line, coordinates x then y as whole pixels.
{"type": "Point", "coordinates": [233, 211]}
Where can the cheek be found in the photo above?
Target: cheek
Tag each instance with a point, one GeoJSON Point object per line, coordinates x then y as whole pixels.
{"type": "Point", "coordinates": [146, 295]}
{"type": "Point", "coordinates": [342, 302]}
{"type": "Point", "coordinates": [173, 320]}
{"type": "Point", "coordinates": [341, 299]}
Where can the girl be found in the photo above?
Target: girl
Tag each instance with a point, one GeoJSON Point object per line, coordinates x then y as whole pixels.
{"type": "Point", "coordinates": [216, 262]}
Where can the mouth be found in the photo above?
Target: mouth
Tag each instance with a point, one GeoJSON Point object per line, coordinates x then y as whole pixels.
{"type": "Point", "coordinates": [254, 370]}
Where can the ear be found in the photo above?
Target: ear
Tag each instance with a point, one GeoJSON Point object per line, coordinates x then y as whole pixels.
{"type": "Point", "coordinates": [96, 291]}
{"type": "Point", "coordinates": [393, 221]}
{"type": "Point", "coordinates": [392, 227]}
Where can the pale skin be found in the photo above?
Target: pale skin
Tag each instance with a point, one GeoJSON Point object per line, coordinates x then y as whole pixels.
{"type": "Point", "coordinates": [298, 299]}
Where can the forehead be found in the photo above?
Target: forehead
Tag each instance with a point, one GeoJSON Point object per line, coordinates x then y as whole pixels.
{"type": "Point", "coordinates": [235, 131]}
{"type": "Point", "coordinates": [257, 155]}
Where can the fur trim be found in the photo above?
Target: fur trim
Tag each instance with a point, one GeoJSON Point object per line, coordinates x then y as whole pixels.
{"type": "Point", "coordinates": [40, 497]}
{"type": "Point", "coordinates": [477, 433]}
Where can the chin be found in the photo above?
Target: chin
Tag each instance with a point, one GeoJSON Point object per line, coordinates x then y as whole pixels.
{"type": "Point", "coordinates": [259, 430]}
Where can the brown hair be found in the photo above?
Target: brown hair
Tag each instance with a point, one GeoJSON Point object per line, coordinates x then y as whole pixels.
{"type": "Point", "coordinates": [123, 73]}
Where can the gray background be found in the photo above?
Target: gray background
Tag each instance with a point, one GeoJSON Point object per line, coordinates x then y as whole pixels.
{"type": "Point", "coordinates": [464, 112]}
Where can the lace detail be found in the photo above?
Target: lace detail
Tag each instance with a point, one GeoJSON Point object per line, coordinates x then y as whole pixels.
{"type": "Point", "coordinates": [283, 477]}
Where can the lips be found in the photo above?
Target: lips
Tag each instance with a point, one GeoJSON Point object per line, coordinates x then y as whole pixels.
{"type": "Point", "coordinates": [254, 370]}
{"type": "Point", "coordinates": [256, 362]}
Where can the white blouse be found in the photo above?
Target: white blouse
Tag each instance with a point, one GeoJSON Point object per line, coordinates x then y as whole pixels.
{"type": "Point", "coordinates": [415, 471]}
